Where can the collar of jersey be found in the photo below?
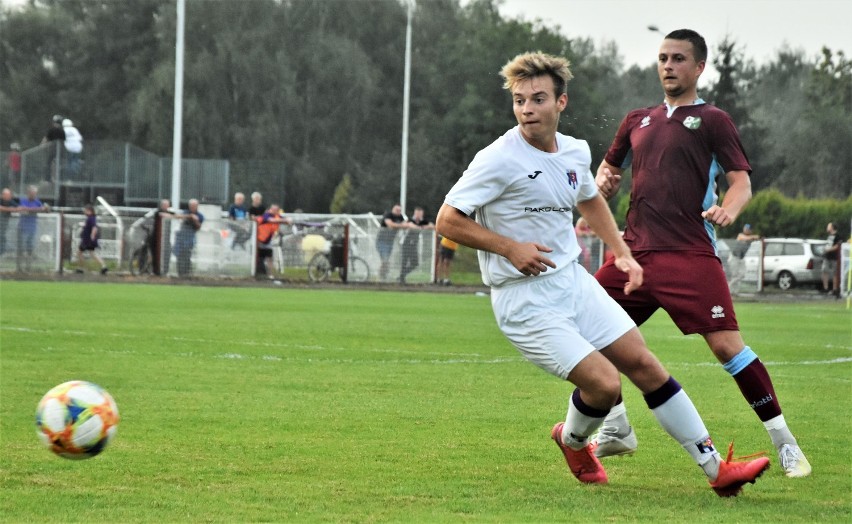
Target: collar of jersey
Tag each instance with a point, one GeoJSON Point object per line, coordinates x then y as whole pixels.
{"type": "Point", "coordinates": [670, 109]}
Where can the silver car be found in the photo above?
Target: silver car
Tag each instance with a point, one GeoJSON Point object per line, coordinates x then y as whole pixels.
{"type": "Point", "coordinates": [787, 262]}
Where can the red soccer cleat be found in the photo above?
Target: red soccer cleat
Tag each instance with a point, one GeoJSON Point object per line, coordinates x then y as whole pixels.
{"type": "Point", "coordinates": [583, 463]}
{"type": "Point", "coordinates": [733, 475]}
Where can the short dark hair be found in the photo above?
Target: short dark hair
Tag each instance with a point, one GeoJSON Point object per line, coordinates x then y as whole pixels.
{"type": "Point", "coordinates": [699, 46]}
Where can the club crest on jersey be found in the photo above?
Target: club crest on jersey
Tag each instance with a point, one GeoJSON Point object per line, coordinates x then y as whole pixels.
{"type": "Point", "coordinates": [572, 178]}
{"type": "Point", "coordinates": [645, 122]}
{"type": "Point", "coordinates": [692, 122]}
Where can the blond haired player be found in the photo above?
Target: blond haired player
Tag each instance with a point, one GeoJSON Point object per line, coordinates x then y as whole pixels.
{"type": "Point", "coordinates": [523, 189]}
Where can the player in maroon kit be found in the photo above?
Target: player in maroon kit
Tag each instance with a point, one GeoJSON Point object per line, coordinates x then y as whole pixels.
{"type": "Point", "coordinates": [677, 151]}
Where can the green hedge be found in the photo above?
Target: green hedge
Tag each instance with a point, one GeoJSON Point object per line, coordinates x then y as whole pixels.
{"type": "Point", "coordinates": [771, 214]}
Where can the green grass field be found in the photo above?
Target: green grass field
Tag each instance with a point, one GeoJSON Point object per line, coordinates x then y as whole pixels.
{"type": "Point", "coordinates": [317, 405]}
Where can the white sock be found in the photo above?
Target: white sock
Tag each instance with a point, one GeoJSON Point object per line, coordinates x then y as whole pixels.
{"type": "Point", "coordinates": [578, 426]}
{"type": "Point", "coordinates": [681, 420]}
{"type": "Point", "coordinates": [779, 432]}
{"type": "Point", "coordinates": [616, 422]}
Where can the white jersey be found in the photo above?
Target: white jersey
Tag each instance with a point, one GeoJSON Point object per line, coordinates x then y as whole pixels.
{"type": "Point", "coordinates": [528, 195]}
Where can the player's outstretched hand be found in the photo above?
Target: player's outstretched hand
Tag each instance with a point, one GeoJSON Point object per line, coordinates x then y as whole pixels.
{"type": "Point", "coordinates": [634, 271]}
{"type": "Point", "coordinates": [607, 182]}
{"type": "Point", "coordinates": [528, 259]}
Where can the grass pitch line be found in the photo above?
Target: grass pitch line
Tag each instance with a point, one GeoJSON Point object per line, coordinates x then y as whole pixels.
{"type": "Point", "coordinates": [246, 343]}
{"type": "Point", "coordinates": [462, 358]}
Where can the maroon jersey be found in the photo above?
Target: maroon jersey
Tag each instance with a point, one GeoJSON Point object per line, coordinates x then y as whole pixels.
{"type": "Point", "coordinates": [676, 162]}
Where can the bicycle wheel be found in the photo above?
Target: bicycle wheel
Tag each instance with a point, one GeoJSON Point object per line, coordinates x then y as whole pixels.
{"type": "Point", "coordinates": [319, 268]}
{"type": "Point", "coordinates": [358, 270]}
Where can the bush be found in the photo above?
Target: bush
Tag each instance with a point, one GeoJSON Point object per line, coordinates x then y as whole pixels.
{"type": "Point", "coordinates": [771, 214]}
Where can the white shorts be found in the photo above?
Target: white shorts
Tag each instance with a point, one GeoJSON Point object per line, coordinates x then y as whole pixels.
{"type": "Point", "coordinates": [556, 320]}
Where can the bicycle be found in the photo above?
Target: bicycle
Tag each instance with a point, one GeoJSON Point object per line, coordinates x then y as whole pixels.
{"type": "Point", "coordinates": [329, 260]}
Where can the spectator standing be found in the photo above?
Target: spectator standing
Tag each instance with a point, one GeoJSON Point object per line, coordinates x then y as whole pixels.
{"type": "Point", "coordinates": [237, 210]}
{"type": "Point", "coordinates": [74, 147]}
{"type": "Point", "coordinates": [677, 151]}
{"type": "Point", "coordinates": [191, 222]}
{"type": "Point", "coordinates": [14, 162]}
{"type": "Point", "coordinates": [238, 216]}
{"type": "Point", "coordinates": [544, 302]}
{"type": "Point", "coordinates": [446, 253]}
{"type": "Point", "coordinates": [736, 260]}
{"type": "Point", "coordinates": [830, 272]}
{"type": "Point", "coordinates": [268, 225]}
{"type": "Point", "coordinates": [8, 205]}
{"type": "Point", "coordinates": [28, 227]}
{"type": "Point", "coordinates": [584, 237]}
{"type": "Point", "coordinates": [411, 243]}
{"type": "Point", "coordinates": [392, 221]}
{"type": "Point", "coordinates": [54, 136]}
{"type": "Point", "coordinates": [89, 240]}
{"type": "Point", "coordinates": [256, 210]}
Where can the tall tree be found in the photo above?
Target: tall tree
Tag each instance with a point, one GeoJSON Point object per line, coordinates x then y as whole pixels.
{"type": "Point", "coordinates": [735, 76]}
{"type": "Point", "coordinates": [776, 101]}
{"type": "Point", "coordinates": [819, 157]}
{"type": "Point", "coordinates": [298, 94]}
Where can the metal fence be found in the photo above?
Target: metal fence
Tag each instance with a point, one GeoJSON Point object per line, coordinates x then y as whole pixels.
{"type": "Point", "coordinates": [120, 172]}
{"type": "Point", "coordinates": [221, 248]}
{"type": "Point", "coordinates": [30, 243]}
{"type": "Point", "coordinates": [411, 257]}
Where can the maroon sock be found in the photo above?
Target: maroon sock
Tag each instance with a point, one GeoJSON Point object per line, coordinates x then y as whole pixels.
{"type": "Point", "coordinates": [756, 386]}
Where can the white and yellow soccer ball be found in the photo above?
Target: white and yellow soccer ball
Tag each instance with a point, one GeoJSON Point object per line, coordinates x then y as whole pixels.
{"type": "Point", "coordinates": [77, 419]}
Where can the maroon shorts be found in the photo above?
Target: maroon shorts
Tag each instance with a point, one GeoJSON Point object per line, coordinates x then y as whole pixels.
{"type": "Point", "coordinates": [690, 287]}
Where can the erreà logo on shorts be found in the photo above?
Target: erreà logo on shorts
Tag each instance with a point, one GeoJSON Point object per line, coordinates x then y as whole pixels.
{"type": "Point", "coordinates": [717, 312]}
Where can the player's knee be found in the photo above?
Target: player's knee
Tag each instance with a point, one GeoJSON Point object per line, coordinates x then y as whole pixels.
{"type": "Point", "coordinates": [639, 361]}
{"type": "Point", "coordinates": [598, 379]}
{"type": "Point", "coordinates": [611, 392]}
{"type": "Point", "coordinates": [645, 371]}
{"type": "Point", "coordinates": [605, 389]}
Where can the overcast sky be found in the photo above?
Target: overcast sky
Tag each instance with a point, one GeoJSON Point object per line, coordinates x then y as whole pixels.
{"type": "Point", "coordinates": [760, 27]}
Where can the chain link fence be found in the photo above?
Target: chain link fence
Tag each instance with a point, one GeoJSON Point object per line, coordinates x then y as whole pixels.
{"type": "Point", "coordinates": [119, 172]}
{"type": "Point", "coordinates": [221, 248]}
{"type": "Point", "coordinates": [308, 247]}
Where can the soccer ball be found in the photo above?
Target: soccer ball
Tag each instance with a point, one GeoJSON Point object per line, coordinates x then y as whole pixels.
{"type": "Point", "coordinates": [77, 419]}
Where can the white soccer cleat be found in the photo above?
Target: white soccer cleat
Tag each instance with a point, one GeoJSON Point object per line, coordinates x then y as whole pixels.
{"type": "Point", "coordinates": [607, 443]}
{"type": "Point", "coordinates": [793, 461]}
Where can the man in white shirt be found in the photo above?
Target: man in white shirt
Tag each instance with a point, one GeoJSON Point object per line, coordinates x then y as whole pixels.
{"type": "Point", "coordinates": [523, 189]}
{"type": "Point", "coordinates": [74, 147]}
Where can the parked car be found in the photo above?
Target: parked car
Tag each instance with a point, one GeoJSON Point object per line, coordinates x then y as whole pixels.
{"type": "Point", "coordinates": [787, 262]}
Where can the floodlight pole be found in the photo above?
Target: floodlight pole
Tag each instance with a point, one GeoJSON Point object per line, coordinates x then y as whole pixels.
{"type": "Point", "coordinates": [406, 95]}
{"type": "Point", "coordinates": [178, 117]}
